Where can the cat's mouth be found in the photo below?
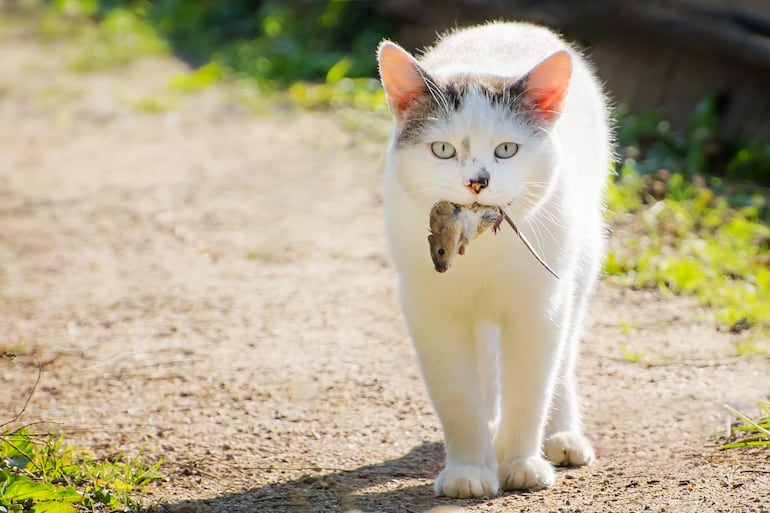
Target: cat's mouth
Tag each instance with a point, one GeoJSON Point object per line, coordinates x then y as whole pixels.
{"type": "Point", "coordinates": [493, 205]}
{"type": "Point", "coordinates": [500, 205]}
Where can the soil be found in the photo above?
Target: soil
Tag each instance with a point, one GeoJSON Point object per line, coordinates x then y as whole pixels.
{"type": "Point", "coordinates": [212, 287]}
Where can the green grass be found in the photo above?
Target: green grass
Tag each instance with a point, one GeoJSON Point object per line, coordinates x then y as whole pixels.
{"type": "Point", "coordinates": [119, 37]}
{"type": "Point", "coordinates": [747, 431]}
{"type": "Point", "coordinates": [40, 474]}
{"type": "Point", "coordinates": [628, 354]}
{"type": "Point", "coordinates": [688, 232]}
{"type": "Point", "coordinates": [692, 242]}
{"type": "Point", "coordinates": [303, 56]}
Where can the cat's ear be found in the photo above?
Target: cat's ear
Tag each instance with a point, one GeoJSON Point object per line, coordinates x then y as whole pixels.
{"type": "Point", "coordinates": [546, 85]}
{"type": "Point", "coordinates": [402, 77]}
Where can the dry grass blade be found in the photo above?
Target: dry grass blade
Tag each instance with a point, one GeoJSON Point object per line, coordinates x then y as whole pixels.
{"type": "Point", "coordinates": [756, 431]}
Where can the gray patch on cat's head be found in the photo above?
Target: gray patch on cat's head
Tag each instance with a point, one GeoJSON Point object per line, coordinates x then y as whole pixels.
{"type": "Point", "coordinates": [465, 149]}
{"type": "Point", "coordinates": [445, 97]}
{"type": "Point", "coordinates": [500, 91]}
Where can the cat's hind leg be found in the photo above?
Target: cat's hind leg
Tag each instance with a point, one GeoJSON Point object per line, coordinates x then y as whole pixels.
{"type": "Point", "coordinates": [565, 444]}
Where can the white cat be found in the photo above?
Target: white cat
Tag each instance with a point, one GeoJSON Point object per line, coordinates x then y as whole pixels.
{"type": "Point", "coordinates": [503, 114]}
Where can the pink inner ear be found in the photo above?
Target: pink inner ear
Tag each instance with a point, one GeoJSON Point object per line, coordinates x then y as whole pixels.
{"type": "Point", "coordinates": [401, 77]}
{"type": "Point", "coordinates": [547, 84]}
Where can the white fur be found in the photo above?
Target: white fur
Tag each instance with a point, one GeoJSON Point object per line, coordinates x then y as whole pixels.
{"type": "Point", "coordinates": [496, 308]}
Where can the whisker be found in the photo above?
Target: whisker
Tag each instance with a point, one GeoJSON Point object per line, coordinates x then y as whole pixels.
{"type": "Point", "coordinates": [527, 244]}
{"type": "Point", "coordinates": [425, 119]}
{"type": "Point", "coordinates": [536, 184]}
{"type": "Point", "coordinates": [547, 230]}
{"type": "Point", "coordinates": [552, 213]}
{"type": "Point", "coordinates": [535, 232]}
{"type": "Point", "coordinates": [436, 93]}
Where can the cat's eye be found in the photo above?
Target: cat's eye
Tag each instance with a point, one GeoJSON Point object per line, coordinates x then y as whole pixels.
{"type": "Point", "coordinates": [443, 150]}
{"type": "Point", "coordinates": [506, 150]}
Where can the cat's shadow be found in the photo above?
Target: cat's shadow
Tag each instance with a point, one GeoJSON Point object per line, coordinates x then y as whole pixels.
{"type": "Point", "coordinates": [370, 488]}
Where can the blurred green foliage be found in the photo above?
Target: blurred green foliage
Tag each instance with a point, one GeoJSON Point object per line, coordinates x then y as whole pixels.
{"type": "Point", "coordinates": [321, 52]}
{"type": "Point", "coordinates": [274, 42]}
{"type": "Point", "coordinates": [700, 215]}
{"type": "Point", "coordinates": [697, 151]}
{"type": "Point", "coordinates": [114, 39]}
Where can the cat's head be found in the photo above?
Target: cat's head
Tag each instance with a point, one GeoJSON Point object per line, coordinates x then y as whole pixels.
{"type": "Point", "coordinates": [469, 138]}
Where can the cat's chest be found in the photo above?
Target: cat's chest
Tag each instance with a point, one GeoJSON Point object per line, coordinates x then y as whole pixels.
{"type": "Point", "coordinates": [484, 284]}
{"type": "Point", "coordinates": [495, 269]}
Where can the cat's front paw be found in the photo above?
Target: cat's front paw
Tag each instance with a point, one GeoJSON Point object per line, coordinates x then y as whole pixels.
{"type": "Point", "coordinates": [530, 473]}
{"type": "Point", "coordinates": [464, 481]}
{"type": "Point", "coordinates": [568, 448]}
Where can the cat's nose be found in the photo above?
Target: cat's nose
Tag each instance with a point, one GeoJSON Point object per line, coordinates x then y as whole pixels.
{"type": "Point", "coordinates": [480, 181]}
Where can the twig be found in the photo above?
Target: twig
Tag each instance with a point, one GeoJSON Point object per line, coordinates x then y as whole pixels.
{"type": "Point", "coordinates": [29, 396]}
{"type": "Point", "coordinates": [528, 245]}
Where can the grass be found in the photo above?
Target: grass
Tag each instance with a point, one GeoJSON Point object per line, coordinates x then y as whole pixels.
{"type": "Point", "coordinates": [306, 58]}
{"type": "Point", "coordinates": [39, 473]}
{"type": "Point", "coordinates": [116, 39]}
{"type": "Point", "coordinates": [690, 241]}
{"type": "Point", "coordinates": [628, 354]}
{"type": "Point", "coordinates": [687, 232]}
{"type": "Point", "coordinates": [748, 432]}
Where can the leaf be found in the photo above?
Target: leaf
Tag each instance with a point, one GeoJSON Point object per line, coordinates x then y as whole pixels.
{"type": "Point", "coordinates": [338, 71]}
{"type": "Point", "coordinates": [121, 486]}
{"type": "Point", "coordinates": [53, 507]}
{"type": "Point", "coordinates": [66, 494]}
{"type": "Point", "coordinates": [197, 80]}
{"type": "Point", "coordinates": [22, 488]}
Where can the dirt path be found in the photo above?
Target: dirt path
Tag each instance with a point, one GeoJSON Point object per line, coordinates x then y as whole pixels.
{"type": "Point", "coordinates": [213, 287]}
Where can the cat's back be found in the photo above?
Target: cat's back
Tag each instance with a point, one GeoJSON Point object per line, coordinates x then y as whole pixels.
{"type": "Point", "coordinates": [503, 49]}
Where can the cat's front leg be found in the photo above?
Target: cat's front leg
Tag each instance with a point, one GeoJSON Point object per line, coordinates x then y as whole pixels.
{"type": "Point", "coordinates": [449, 361]}
{"type": "Point", "coordinates": [529, 351]}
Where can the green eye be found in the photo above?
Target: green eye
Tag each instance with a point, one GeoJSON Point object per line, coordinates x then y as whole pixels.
{"type": "Point", "coordinates": [443, 150]}
{"type": "Point", "coordinates": [506, 150]}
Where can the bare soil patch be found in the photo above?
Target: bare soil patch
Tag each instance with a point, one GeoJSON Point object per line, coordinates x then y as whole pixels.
{"type": "Point", "coordinates": [213, 287]}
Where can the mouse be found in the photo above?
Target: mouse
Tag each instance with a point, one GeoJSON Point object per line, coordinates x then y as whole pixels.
{"type": "Point", "coordinates": [453, 226]}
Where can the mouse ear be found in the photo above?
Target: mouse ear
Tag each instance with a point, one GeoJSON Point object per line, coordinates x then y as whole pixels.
{"type": "Point", "coordinates": [402, 77]}
{"type": "Point", "coordinates": [546, 85]}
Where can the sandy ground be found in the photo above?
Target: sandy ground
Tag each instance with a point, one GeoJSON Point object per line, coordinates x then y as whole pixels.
{"type": "Point", "coordinates": [213, 287]}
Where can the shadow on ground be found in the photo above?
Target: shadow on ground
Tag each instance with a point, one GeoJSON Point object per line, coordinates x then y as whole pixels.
{"type": "Point", "coordinates": [408, 484]}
